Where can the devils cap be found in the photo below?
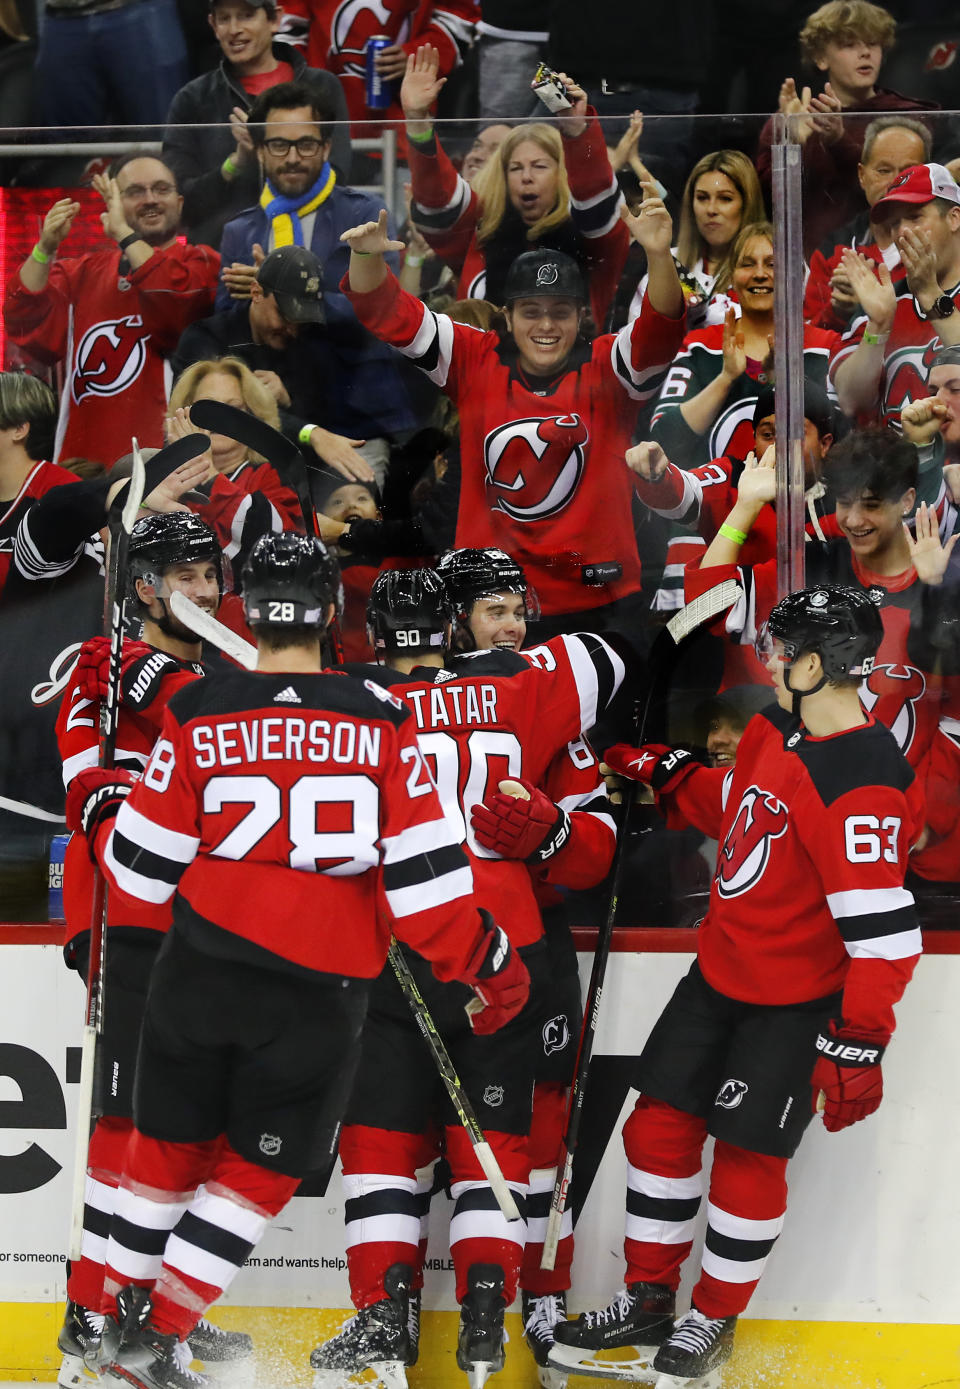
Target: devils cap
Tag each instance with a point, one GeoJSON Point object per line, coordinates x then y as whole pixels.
{"type": "Point", "coordinates": [921, 183]}
{"type": "Point", "coordinates": [295, 277]}
{"type": "Point", "coordinates": [537, 273]}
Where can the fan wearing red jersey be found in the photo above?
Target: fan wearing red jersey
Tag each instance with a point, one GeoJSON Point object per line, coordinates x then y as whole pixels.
{"type": "Point", "coordinates": [809, 941]}
{"type": "Point", "coordinates": [482, 718]}
{"type": "Point", "coordinates": [545, 417]}
{"type": "Point", "coordinates": [303, 797]}
{"type": "Point", "coordinates": [28, 413]}
{"type": "Point", "coordinates": [170, 552]}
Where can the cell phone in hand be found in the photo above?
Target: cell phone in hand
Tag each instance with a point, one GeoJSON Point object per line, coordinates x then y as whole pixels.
{"type": "Point", "coordinates": [551, 91]}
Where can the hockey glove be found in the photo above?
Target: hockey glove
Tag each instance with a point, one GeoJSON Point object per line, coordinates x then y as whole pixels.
{"type": "Point", "coordinates": [96, 794]}
{"type": "Point", "coordinates": [93, 665]}
{"type": "Point", "coordinates": [499, 979]}
{"type": "Point", "coordinates": [849, 1076]}
{"type": "Point", "coordinates": [655, 764]}
{"type": "Point", "coordinates": [530, 827]}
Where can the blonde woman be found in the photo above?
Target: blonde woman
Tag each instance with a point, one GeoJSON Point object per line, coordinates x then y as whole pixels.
{"type": "Point", "coordinates": [721, 195]}
{"type": "Point", "coordinates": [243, 496]}
{"type": "Point", "coordinates": [547, 185]}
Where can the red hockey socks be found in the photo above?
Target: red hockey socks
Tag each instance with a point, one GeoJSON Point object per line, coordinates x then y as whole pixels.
{"type": "Point", "coordinates": [546, 1137]}
{"type": "Point", "coordinates": [108, 1144]}
{"type": "Point", "coordinates": [479, 1231]}
{"type": "Point", "coordinates": [745, 1214]}
{"type": "Point", "coordinates": [387, 1182]}
{"type": "Point", "coordinates": [664, 1188]}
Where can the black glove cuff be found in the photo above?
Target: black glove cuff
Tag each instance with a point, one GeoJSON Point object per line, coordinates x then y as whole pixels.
{"type": "Point", "coordinates": [555, 839]}
{"type": "Point", "coordinates": [498, 950]}
{"type": "Point", "coordinates": [670, 767]}
{"type": "Point", "coordinates": [102, 804]}
{"type": "Point", "coordinates": [850, 1051]}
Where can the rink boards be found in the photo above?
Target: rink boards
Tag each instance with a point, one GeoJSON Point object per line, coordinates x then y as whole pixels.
{"type": "Point", "coordinates": [862, 1289]}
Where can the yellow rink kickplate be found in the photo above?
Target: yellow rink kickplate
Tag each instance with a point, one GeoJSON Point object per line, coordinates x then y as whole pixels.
{"type": "Point", "coordinates": [768, 1355]}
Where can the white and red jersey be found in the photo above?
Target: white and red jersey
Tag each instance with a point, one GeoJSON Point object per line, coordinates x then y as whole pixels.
{"type": "Point", "coordinates": [338, 31]}
{"type": "Point", "coordinates": [808, 895]}
{"type": "Point", "coordinates": [245, 504]}
{"type": "Point", "coordinates": [903, 690]}
{"type": "Point", "coordinates": [41, 478]}
{"type": "Point", "coordinates": [147, 683]}
{"type": "Point", "coordinates": [292, 813]}
{"type": "Point", "coordinates": [542, 471]}
{"type": "Point", "coordinates": [112, 332]}
{"type": "Point", "coordinates": [574, 783]}
{"type": "Point", "coordinates": [496, 715]}
{"type": "Point", "coordinates": [447, 210]}
{"type": "Point", "coordinates": [907, 354]}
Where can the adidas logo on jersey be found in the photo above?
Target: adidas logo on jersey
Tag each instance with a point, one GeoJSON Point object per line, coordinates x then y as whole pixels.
{"type": "Point", "coordinates": [287, 696]}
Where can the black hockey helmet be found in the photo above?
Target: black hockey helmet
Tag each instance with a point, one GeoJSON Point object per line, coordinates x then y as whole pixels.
{"type": "Point", "coordinates": [166, 538]}
{"type": "Point", "coordinates": [409, 611]}
{"type": "Point", "coordinates": [290, 580]}
{"type": "Point", "coordinates": [840, 623]}
{"type": "Point", "coordinates": [542, 272]}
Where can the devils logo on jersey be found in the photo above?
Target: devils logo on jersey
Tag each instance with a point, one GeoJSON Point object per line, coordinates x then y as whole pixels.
{"type": "Point", "coordinates": [892, 693]}
{"type": "Point", "coordinates": [110, 357]}
{"type": "Point", "coordinates": [760, 819]}
{"type": "Point", "coordinates": [534, 466]}
{"type": "Point", "coordinates": [355, 21]}
{"type": "Point", "coordinates": [905, 371]}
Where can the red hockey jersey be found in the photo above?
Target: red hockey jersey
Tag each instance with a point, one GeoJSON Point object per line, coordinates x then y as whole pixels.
{"type": "Point", "coordinates": [293, 812]}
{"type": "Point", "coordinates": [542, 474]}
{"type": "Point", "coordinates": [808, 895]}
{"type": "Point", "coordinates": [447, 211]}
{"type": "Point", "coordinates": [112, 332]}
{"type": "Point", "coordinates": [41, 478]}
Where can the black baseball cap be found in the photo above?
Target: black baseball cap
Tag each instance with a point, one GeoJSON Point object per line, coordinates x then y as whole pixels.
{"type": "Point", "coordinates": [295, 276]}
{"type": "Point", "coordinates": [254, 4]}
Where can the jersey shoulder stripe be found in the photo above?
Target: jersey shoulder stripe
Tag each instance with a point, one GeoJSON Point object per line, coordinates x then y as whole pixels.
{"type": "Point", "coordinates": [837, 766]}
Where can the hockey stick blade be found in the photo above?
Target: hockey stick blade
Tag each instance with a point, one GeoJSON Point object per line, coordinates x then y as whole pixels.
{"type": "Point", "coordinates": [220, 418]}
{"type": "Point", "coordinates": [451, 1081]}
{"type": "Point", "coordinates": [699, 610]}
{"type": "Point", "coordinates": [206, 626]}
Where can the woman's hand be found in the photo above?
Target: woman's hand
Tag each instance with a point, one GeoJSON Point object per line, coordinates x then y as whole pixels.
{"type": "Point", "coordinates": [734, 347]}
{"type": "Point", "coordinates": [573, 122]}
{"type": "Point", "coordinates": [422, 83]}
{"type": "Point", "coordinates": [179, 426]}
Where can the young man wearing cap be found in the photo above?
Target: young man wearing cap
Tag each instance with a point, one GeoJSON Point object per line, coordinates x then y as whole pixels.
{"type": "Point", "coordinates": [207, 142]}
{"type": "Point", "coordinates": [881, 362]}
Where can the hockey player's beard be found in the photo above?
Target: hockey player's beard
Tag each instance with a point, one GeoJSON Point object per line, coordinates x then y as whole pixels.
{"type": "Point", "coordinates": [172, 627]}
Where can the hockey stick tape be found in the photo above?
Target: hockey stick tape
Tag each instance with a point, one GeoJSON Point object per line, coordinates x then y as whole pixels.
{"type": "Point", "coordinates": [513, 788]}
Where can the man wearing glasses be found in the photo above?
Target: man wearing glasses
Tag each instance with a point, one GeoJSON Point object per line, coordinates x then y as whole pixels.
{"type": "Point", "coordinates": [303, 203]}
{"type": "Point", "coordinates": [112, 316]}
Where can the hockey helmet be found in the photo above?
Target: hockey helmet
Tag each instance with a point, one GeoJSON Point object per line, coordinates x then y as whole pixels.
{"type": "Point", "coordinates": [409, 611]}
{"type": "Point", "coordinates": [290, 580]}
{"type": "Point", "coordinates": [166, 538]}
{"type": "Point", "coordinates": [840, 623]}
{"type": "Point", "coordinates": [534, 274]}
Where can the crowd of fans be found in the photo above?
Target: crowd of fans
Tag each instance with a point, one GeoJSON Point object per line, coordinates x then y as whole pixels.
{"type": "Point", "coordinates": [614, 260]}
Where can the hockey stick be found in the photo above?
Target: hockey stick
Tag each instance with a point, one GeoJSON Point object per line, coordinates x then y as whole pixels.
{"type": "Point", "coordinates": [448, 1074]}
{"type": "Point", "coordinates": [206, 626]}
{"type": "Point", "coordinates": [663, 655]}
{"type": "Point", "coordinates": [218, 635]}
{"type": "Point", "coordinates": [115, 593]}
{"type": "Point", "coordinates": [282, 454]}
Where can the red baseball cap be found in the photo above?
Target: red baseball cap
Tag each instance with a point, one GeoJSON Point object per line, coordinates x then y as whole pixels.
{"type": "Point", "coordinates": [921, 183]}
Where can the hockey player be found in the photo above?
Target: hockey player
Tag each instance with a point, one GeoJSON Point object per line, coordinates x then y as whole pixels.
{"type": "Point", "coordinates": [490, 600]}
{"type": "Point", "coordinates": [480, 719]}
{"type": "Point", "coordinates": [809, 941]}
{"type": "Point", "coordinates": [545, 417]}
{"type": "Point", "coordinates": [252, 1023]}
{"type": "Point", "coordinates": [171, 552]}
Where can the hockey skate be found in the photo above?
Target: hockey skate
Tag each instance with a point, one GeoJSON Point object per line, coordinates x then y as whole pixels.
{"type": "Point", "coordinates": [540, 1316]}
{"type": "Point", "coordinates": [639, 1318]}
{"type": "Point", "coordinates": [80, 1332]}
{"type": "Point", "coordinates": [383, 1339]}
{"type": "Point", "coordinates": [132, 1354]}
{"type": "Point", "coordinates": [213, 1345]}
{"type": "Point", "coordinates": [481, 1337]}
{"type": "Point", "coordinates": [694, 1351]}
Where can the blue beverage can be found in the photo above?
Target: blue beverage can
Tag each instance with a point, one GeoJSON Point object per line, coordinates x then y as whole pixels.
{"type": "Point", "coordinates": [58, 848]}
{"type": "Point", "coordinates": [379, 90]}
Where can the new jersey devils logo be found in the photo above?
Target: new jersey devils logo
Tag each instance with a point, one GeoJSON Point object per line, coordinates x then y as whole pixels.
{"type": "Point", "coordinates": [892, 693]}
{"type": "Point", "coordinates": [760, 819]}
{"type": "Point", "coordinates": [355, 21]}
{"type": "Point", "coordinates": [905, 372]}
{"type": "Point", "coordinates": [941, 56]}
{"type": "Point", "coordinates": [534, 466]}
{"type": "Point", "coordinates": [110, 357]}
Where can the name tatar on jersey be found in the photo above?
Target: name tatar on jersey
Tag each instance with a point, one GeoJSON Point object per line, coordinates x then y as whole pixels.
{"type": "Point", "coordinates": [454, 706]}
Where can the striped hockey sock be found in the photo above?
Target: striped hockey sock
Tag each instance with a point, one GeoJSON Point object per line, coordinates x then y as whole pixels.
{"type": "Point", "coordinates": [105, 1155]}
{"type": "Point", "coordinates": [664, 1190]}
{"type": "Point", "coordinates": [745, 1214]}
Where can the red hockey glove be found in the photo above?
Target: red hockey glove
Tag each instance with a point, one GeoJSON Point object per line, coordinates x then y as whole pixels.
{"type": "Point", "coordinates": [95, 794]}
{"type": "Point", "coordinates": [93, 664]}
{"type": "Point", "coordinates": [849, 1076]}
{"type": "Point", "coordinates": [529, 827]}
{"type": "Point", "coordinates": [654, 764]}
{"type": "Point", "coordinates": [499, 979]}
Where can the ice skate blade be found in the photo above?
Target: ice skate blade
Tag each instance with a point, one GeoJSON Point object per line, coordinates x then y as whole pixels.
{"type": "Point", "coordinates": [74, 1373]}
{"type": "Point", "coordinates": [382, 1374]}
{"type": "Point", "coordinates": [576, 1360]}
{"type": "Point", "coordinates": [712, 1380]}
{"type": "Point", "coordinates": [480, 1371]}
{"type": "Point", "coordinates": [552, 1379]}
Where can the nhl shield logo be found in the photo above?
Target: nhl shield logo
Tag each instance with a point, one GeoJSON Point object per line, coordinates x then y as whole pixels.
{"type": "Point", "coordinates": [493, 1096]}
{"type": "Point", "coordinates": [556, 1034]}
{"type": "Point", "coordinates": [270, 1144]}
{"type": "Point", "coordinates": [731, 1093]}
